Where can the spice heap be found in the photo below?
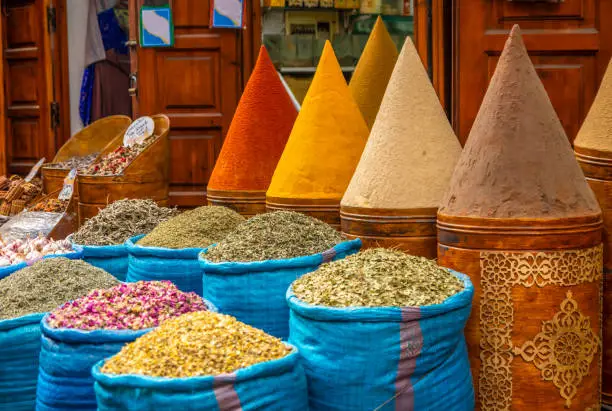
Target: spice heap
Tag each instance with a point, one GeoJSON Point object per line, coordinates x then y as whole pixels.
{"type": "Point", "coordinates": [78, 162]}
{"type": "Point", "coordinates": [30, 249]}
{"type": "Point", "coordinates": [372, 73]}
{"type": "Point", "coordinates": [196, 344]}
{"type": "Point", "coordinates": [134, 306]}
{"type": "Point", "coordinates": [378, 277]}
{"type": "Point", "coordinates": [51, 205]}
{"type": "Point", "coordinates": [121, 220]}
{"type": "Point", "coordinates": [47, 284]}
{"type": "Point", "coordinates": [258, 133]}
{"type": "Point", "coordinates": [196, 228]}
{"type": "Point", "coordinates": [16, 193]}
{"type": "Point", "coordinates": [276, 235]}
{"type": "Point", "coordinates": [116, 161]}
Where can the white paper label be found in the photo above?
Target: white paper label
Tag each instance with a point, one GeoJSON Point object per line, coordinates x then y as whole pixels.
{"type": "Point", "coordinates": [138, 131]}
{"type": "Point", "coordinates": [68, 189]}
{"type": "Point", "coordinates": [34, 170]}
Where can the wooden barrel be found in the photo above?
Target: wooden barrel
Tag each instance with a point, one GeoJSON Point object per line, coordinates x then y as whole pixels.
{"type": "Point", "coordinates": [532, 335]}
{"type": "Point", "coordinates": [91, 139]}
{"type": "Point", "coordinates": [247, 203]}
{"type": "Point", "coordinates": [597, 168]}
{"type": "Point", "coordinates": [413, 231]}
{"type": "Point", "coordinates": [327, 211]}
{"type": "Point", "coordinates": [145, 177]}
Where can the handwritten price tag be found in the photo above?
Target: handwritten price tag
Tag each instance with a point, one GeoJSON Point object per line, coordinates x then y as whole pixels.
{"type": "Point", "coordinates": [138, 131]}
{"type": "Point", "coordinates": [34, 170]}
{"type": "Point", "coordinates": [68, 189]}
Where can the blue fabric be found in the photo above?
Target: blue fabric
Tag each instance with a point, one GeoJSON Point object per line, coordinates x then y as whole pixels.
{"type": "Point", "coordinates": [85, 101]}
{"type": "Point", "coordinates": [351, 356]}
{"type": "Point", "coordinates": [66, 358]}
{"type": "Point", "coordinates": [111, 258]}
{"type": "Point", "coordinates": [19, 350]}
{"type": "Point", "coordinates": [77, 254]}
{"type": "Point", "coordinates": [278, 385]}
{"type": "Point", "coordinates": [254, 292]}
{"type": "Point", "coordinates": [113, 37]}
{"type": "Point", "coordinates": [156, 264]}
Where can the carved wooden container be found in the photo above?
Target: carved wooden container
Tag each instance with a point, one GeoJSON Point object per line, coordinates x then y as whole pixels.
{"type": "Point", "coordinates": [145, 177]}
{"type": "Point", "coordinates": [413, 231]}
{"type": "Point", "coordinates": [93, 138]}
{"type": "Point", "coordinates": [327, 211]}
{"type": "Point", "coordinates": [534, 333]}
{"type": "Point", "coordinates": [247, 203]}
{"type": "Point", "coordinates": [597, 168]}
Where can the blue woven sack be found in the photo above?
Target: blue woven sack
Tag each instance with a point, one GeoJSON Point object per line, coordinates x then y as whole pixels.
{"type": "Point", "coordinates": [156, 264]}
{"type": "Point", "coordinates": [111, 258]}
{"type": "Point", "coordinates": [66, 358]}
{"type": "Point", "coordinates": [77, 254]}
{"type": "Point", "coordinates": [387, 358]}
{"type": "Point", "coordinates": [19, 350]}
{"type": "Point", "coordinates": [278, 385]}
{"type": "Point", "coordinates": [254, 292]}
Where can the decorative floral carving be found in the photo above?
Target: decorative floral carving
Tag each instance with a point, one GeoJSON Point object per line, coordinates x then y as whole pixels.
{"type": "Point", "coordinates": [563, 351]}
{"type": "Point", "coordinates": [500, 272]}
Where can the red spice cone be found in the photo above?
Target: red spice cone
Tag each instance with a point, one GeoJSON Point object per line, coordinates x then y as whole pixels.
{"type": "Point", "coordinates": [258, 133]}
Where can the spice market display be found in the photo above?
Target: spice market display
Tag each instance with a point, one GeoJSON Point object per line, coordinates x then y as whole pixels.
{"type": "Point", "coordinates": [373, 71]}
{"type": "Point", "coordinates": [393, 197]}
{"type": "Point", "coordinates": [593, 148]}
{"type": "Point", "coordinates": [323, 149]}
{"type": "Point", "coordinates": [254, 142]}
{"type": "Point", "coordinates": [196, 228]}
{"type": "Point", "coordinates": [352, 255]}
{"type": "Point", "coordinates": [520, 219]}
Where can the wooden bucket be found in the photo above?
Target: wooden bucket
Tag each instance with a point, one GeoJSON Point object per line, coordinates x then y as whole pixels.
{"type": "Point", "coordinates": [413, 231]}
{"type": "Point", "coordinates": [327, 211]}
{"type": "Point", "coordinates": [247, 203]}
{"type": "Point", "coordinates": [93, 138]}
{"type": "Point", "coordinates": [597, 168]}
{"type": "Point", "coordinates": [68, 224]}
{"type": "Point", "coordinates": [532, 336]}
{"type": "Point", "coordinates": [145, 177]}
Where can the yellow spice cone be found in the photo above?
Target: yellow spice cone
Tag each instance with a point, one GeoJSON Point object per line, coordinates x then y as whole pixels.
{"type": "Point", "coordinates": [326, 141]}
{"type": "Point", "coordinates": [411, 153]}
{"type": "Point", "coordinates": [596, 131]}
{"type": "Point", "coordinates": [373, 71]}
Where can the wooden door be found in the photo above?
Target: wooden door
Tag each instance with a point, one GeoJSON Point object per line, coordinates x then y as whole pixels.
{"type": "Point", "coordinates": [570, 43]}
{"type": "Point", "coordinates": [29, 52]}
{"type": "Point", "coordinates": [197, 84]}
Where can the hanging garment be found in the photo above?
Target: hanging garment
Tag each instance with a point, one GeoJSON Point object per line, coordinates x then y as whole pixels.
{"type": "Point", "coordinates": [110, 87]}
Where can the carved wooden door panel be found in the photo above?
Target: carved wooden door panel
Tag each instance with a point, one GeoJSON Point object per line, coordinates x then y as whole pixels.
{"type": "Point", "coordinates": [570, 43]}
{"type": "Point", "coordinates": [197, 84]}
{"type": "Point", "coordinates": [28, 54]}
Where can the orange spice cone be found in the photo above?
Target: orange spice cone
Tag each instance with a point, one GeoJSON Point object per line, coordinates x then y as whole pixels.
{"type": "Point", "coordinates": [373, 71]}
{"type": "Point", "coordinates": [323, 149]}
{"type": "Point", "coordinates": [521, 221]}
{"type": "Point", "coordinates": [254, 143]}
{"type": "Point", "coordinates": [593, 147]}
{"type": "Point", "coordinates": [406, 166]}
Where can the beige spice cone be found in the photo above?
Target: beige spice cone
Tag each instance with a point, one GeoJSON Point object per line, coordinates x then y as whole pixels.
{"type": "Point", "coordinates": [517, 162]}
{"type": "Point", "coordinates": [596, 131]}
{"type": "Point", "coordinates": [412, 150]}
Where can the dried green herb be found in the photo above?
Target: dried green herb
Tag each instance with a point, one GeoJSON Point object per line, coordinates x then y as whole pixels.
{"type": "Point", "coordinates": [276, 235]}
{"type": "Point", "coordinates": [47, 284]}
{"type": "Point", "coordinates": [196, 344]}
{"type": "Point", "coordinates": [378, 277]}
{"type": "Point", "coordinates": [121, 220]}
{"type": "Point", "coordinates": [196, 228]}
